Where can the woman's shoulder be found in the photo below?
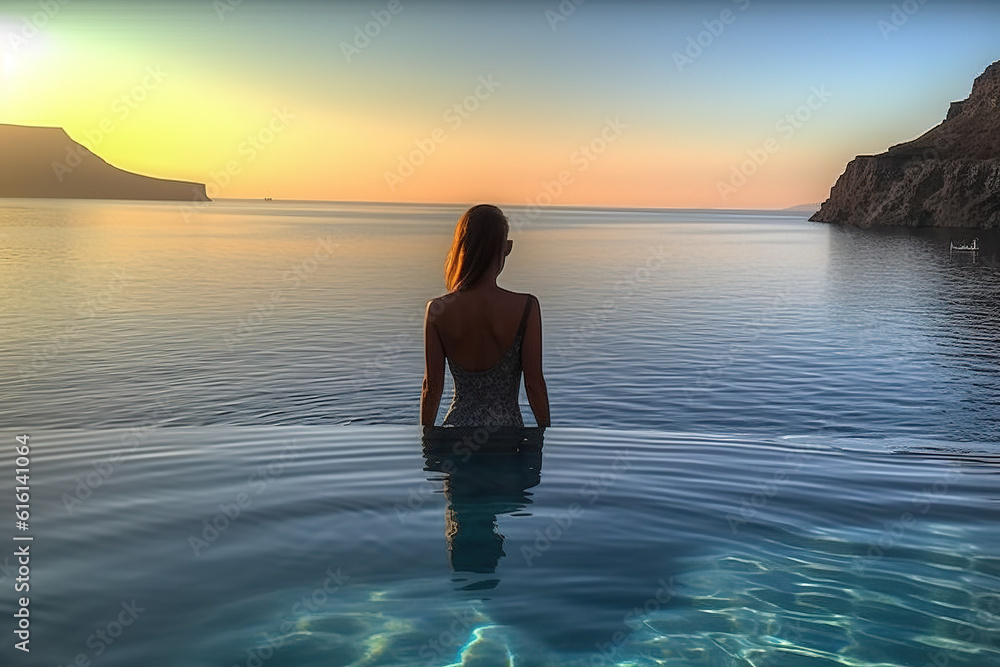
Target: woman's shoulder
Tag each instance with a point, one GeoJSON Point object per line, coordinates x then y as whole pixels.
{"type": "Point", "coordinates": [439, 303]}
{"type": "Point", "coordinates": [521, 295]}
{"type": "Point", "coordinates": [531, 304]}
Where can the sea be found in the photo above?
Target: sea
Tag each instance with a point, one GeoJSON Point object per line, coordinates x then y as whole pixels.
{"type": "Point", "coordinates": [774, 442]}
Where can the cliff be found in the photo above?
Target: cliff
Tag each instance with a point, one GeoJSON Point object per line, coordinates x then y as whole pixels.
{"type": "Point", "coordinates": [947, 177]}
{"type": "Point", "coordinates": [45, 162]}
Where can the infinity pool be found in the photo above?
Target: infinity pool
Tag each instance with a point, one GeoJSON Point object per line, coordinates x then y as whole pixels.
{"type": "Point", "coordinates": [388, 545]}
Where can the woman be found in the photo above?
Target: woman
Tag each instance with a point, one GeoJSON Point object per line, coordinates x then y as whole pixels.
{"type": "Point", "coordinates": [488, 334]}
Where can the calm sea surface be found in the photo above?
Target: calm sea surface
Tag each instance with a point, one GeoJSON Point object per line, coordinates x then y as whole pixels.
{"type": "Point", "coordinates": [244, 313]}
{"type": "Point", "coordinates": [775, 443]}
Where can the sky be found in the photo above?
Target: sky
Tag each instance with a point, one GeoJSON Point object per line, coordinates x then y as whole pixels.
{"type": "Point", "coordinates": [712, 104]}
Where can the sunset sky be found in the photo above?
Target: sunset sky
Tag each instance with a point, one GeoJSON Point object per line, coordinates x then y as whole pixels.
{"type": "Point", "coordinates": [612, 104]}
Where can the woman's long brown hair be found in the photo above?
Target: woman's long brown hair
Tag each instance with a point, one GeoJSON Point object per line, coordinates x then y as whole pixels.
{"type": "Point", "coordinates": [479, 239]}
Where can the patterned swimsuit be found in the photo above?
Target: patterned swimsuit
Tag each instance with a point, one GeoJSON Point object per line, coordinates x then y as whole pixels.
{"type": "Point", "coordinates": [489, 398]}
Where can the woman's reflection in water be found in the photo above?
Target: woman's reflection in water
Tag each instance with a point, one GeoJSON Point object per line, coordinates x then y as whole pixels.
{"type": "Point", "coordinates": [488, 472]}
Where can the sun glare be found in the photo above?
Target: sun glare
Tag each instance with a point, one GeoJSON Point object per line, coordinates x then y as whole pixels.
{"type": "Point", "coordinates": [8, 63]}
{"type": "Point", "coordinates": [20, 46]}
{"type": "Point", "coordinates": [8, 55]}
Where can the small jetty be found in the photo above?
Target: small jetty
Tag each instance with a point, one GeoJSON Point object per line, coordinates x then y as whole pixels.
{"type": "Point", "coordinates": [965, 247]}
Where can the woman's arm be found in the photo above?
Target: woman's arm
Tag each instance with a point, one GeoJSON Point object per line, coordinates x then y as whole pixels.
{"type": "Point", "coordinates": [430, 395]}
{"type": "Point", "coordinates": [531, 362]}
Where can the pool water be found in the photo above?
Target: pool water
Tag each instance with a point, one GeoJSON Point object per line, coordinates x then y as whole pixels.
{"type": "Point", "coordinates": [395, 545]}
{"type": "Point", "coordinates": [774, 442]}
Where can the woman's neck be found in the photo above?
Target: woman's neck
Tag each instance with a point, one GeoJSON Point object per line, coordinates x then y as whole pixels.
{"type": "Point", "coordinates": [487, 281]}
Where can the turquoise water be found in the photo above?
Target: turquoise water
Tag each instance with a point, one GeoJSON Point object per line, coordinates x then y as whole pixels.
{"type": "Point", "coordinates": [373, 545]}
{"type": "Point", "coordinates": [775, 442]}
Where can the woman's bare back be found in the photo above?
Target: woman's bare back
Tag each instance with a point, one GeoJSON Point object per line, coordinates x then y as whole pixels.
{"type": "Point", "coordinates": [477, 326]}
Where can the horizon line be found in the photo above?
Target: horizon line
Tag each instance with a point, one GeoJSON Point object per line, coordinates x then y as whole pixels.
{"type": "Point", "coordinates": [216, 200]}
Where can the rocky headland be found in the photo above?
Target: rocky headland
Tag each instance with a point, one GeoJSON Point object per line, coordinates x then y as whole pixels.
{"type": "Point", "coordinates": [44, 162]}
{"type": "Point", "coordinates": [947, 177]}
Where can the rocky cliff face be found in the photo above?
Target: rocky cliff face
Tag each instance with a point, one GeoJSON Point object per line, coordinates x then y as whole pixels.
{"type": "Point", "coordinates": [45, 162]}
{"type": "Point", "coordinates": [948, 177]}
